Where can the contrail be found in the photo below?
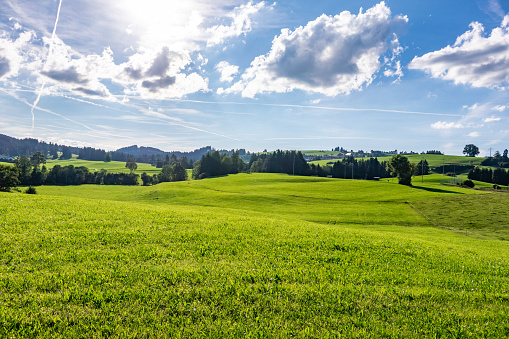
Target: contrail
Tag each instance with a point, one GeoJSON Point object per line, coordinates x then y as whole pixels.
{"type": "Point", "coordinates": [34, 105]}
{"type": "Point", "coordinates": [317, 107]}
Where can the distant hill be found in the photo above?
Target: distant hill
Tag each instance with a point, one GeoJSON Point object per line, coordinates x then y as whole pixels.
{"type": "Point", "coordinates": [144, 152]}
{"type": "Point", "coordinates": [136, 151]}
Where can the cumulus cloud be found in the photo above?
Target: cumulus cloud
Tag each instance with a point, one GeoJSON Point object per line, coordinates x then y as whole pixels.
{"type": "Point", "coordinates": [69, 75]}
{"type": "Point", "coordinates": [227, 71]}
{"type": "Point", "coordinates": [474, 59]}
{"type": "Point", "coordinates": [473, 134]}
{"type": "Point", "coordinates": [492, 119]}
{"type": "Point", "coordinates": [159, 74]}
{"type": "Point", "coordinates": [16, 53]}
{"type": "Point", "coordinates": [4, 66]}
{"type": "Point", "coordinates": [240, 24]}
{"type": "Point", "coordinates": [330, 55]}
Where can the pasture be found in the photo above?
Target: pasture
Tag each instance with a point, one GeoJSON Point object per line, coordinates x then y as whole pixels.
{"type": "Point", "coordinates": [112, 166]}
{"type": "Point", "coordinates": [255, 255]}
{"type": "Point", "coordinates": [434, 160]}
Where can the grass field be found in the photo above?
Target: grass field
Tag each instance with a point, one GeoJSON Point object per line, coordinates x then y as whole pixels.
{"type": "Point", "coordinates": [434, 160]}
{"type": "Point", "coordinates": [112, 166]}
{"type": "Point", "coordinates": [255, 255]}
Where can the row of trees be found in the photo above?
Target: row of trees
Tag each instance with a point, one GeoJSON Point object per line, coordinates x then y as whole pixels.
{"type": "Point", "coordinates": [291, 162]}
{"type": "Point", "coordinates": [497, 176]}
{"type": "Point", "coordinates": [33, 172]}
{"type": "Point", "coordinates": [215, 164]}
{"type": "Point", "coordinates": [498, 160]}
{"type": "Point", "coordinates": [175, 172]}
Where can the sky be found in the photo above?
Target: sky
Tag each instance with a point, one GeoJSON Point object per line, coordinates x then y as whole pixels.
{"type": "Point", "coordinates": [180, 75]}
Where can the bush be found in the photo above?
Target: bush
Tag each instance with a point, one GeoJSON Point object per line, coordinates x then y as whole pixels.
{"type": "Point", "coordinates": [469, 183]}
{"type": "Point", "coordinates": [31, 190]}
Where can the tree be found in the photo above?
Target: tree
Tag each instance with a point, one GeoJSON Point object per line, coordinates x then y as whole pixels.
{"type": "Point", "coordinates": [8, 177]}
{"type": "Point", "coordinates": [402, 168]}
{"type": "Point", "coordinates": [131, 165]}
{"type": "Point", "coordinates": [36, 159]}
{"type": "Point", "coordinates": [504, 155]}
{"type": "Point", "coordinates": [179, 172]}
{"type": "Point", "coordinates": [107, 157]}
{"type": "Point", "coordinates": [146, 179]}
{"type": "Point", "coordinates": [422, 167]}
{"type": "Point", "coordinates": [66, 153]}
{"type": "Point", "coordinates": [24, 167]}
{"type": "Point", "coordinates": [471, 150]}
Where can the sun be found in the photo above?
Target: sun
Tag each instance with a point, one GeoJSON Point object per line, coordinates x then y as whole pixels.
{"type": "Point", "coordinates": [161, 22]}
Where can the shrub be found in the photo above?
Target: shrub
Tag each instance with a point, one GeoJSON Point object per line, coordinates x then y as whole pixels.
{"type": "Point", "coordinates": [469, 183]}
{"type": "Point", "coordinates": [31, 190]}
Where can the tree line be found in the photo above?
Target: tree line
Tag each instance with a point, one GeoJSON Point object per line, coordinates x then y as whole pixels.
{"type": "Point", "coordinates": [31, 171]}
{"type": "Point", "coordinates": [497, 176]}
{"type": "Point", "coordinates": [215, 164]}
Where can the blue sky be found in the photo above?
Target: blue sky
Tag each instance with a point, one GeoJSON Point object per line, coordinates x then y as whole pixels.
{"type": "Point", "coordinates": [179, 75]}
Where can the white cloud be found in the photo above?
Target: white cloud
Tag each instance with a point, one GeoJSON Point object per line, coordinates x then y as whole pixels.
{"type": "Point", "coordinates": [227, 71]}
{"type": "Point", "coordinates": [331, 55]}
{"type": "Point", "coordinates": [240, 24]}
{"type": "Point", "coordinates": [474, 59]}
{"type": "Point", "coordinates": [447, 125]}
{"type": "Point", "coordinates": [492, 119]}
{"type": "Point", "coordinates": [16, 54]}
{"type": "Point", "coordinates": [501, 108]}
{"type": "Point", "coordinates": [473, 134]}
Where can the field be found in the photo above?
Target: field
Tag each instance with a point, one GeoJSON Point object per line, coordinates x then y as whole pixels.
{"type": "Point", "coordinates": [112, 166]}
{"type": "Point", "coordinates": [255, 255]}
{"type": "Point", "coordinates": [434, 160]}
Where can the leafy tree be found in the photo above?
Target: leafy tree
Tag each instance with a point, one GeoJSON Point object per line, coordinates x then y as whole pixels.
{"type": "Point", "coordinates": [179, 172]}
{"type": "Point", "coordinates": [471, 150]}
{"type": "Point", "coordinates": [131, 165]}
{"type": "Point", "coordinates": [24, 167]}
{"type": "Point", "coordinates": [107, 157]}
{"type": "Point", "coordinates": [422, 167]}
{"type": "Point", "coordinates": [504, 155]}
{"type": "Point", "coordinates": [37, 159]}
{"type": "Point", "coordinates": [8, 177]}
{"type": "Point", "coordinates": [165, 174]}
{"type": "Point", "coordinates": [401, 167]}
{"type": "Point", "coordinates": [146, 179]}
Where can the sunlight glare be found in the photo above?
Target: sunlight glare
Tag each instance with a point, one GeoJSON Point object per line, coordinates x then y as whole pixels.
{"type": "Point", "coordinates": [157, 22]}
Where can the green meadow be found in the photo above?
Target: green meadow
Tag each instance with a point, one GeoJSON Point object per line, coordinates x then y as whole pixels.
{"type": "Point", "coordinates": [255, 255]}
{"type": "Point", "coordinates": [112, 166]}
{"type": "Point", "coordinates": [434, 160]}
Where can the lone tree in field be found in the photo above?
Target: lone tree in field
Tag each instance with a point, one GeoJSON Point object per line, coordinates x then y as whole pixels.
{"type": "Point", "coordinates": [402, 168]}
{"type": "Point", "coordinates": [8, 177]}
{"type": "Point", "coordinates": [131, 164]}
{"type": "Point", "coordinates": [471, 150]}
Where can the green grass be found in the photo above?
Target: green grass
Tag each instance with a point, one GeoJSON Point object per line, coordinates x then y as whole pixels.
{"type": "Point", "coordinates": [112, 166]}
{"type": "Point", "coordinates": [254, 255]}
{"type": "Point", "coordinates": [434, 160]}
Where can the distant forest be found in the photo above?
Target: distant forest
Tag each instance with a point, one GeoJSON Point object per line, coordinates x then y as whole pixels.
{"type": "Point", "coordinates": [13, 147]}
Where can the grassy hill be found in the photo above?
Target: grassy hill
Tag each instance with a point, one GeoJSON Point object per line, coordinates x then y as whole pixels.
{"type": "Point", "coordinates": [434, 160]}
{"type": "Point", "coordinates": [112, 166]}
{"type": "Point", "coordinates": [255, 255]}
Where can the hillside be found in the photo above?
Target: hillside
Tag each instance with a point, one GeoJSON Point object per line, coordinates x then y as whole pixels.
{"type": "Point", "coordinates": [262, 255]}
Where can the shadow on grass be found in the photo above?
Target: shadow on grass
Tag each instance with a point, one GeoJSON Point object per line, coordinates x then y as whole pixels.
{"type": "Point", "coordinates": [436, 190]}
